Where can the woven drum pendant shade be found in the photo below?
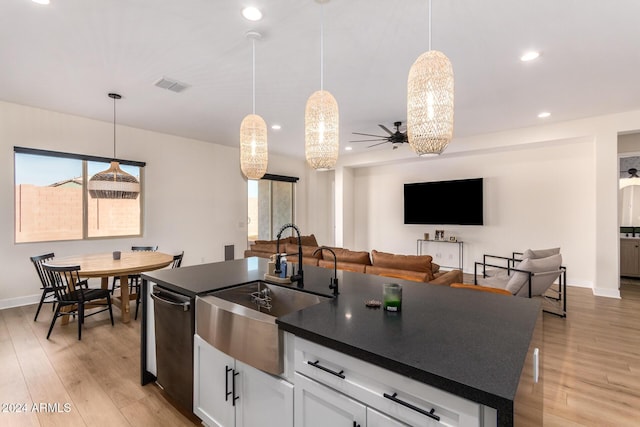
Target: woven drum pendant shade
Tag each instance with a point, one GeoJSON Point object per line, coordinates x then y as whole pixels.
{"type": "Point", "coordinates": [321, 130]}
{"type": "Point", "coordinates": [430, 103]}
{"type": "Point", "coordinates": [113, 183]}
{"type": "Point", "coordinates": [253, 147]}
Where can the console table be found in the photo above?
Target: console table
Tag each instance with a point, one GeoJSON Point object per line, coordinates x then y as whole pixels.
{"type": "Point", "coordinates": [460, 244]}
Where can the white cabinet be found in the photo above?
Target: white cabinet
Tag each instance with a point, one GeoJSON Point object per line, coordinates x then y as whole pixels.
{"type": "Point", "coordinates": [229, 393]}
{"type": "Point", "coordinates": [320, 406]}
{"type": "Point", "coordinates": [265, 399]}
{"type": "Point", "coordinates": [378, 419]}
{"type": "Point", "coordinates": [388, 399]}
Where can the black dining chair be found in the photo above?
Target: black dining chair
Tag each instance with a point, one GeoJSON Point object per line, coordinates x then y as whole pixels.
{"type": "Point", "coordinates": [73, 292]}
{"type": "Point", "coordinates": [48, 293]}
{"type": "Point", "coordinates": [177, 262]}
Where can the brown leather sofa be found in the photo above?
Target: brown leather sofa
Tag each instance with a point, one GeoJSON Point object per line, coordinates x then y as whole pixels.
{"type": "Point", "coordinates": [407, 267]}
{"type": "Point", "coordinates": [418, 268]}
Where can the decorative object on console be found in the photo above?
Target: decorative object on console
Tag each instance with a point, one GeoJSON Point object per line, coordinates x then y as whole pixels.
{"type": "Point", "coordinates": [426, 236]}
{"type": "Point", "coordinates": [439, 234]}
{"type": "Point", "coordinates": [321, 119]}
{"type": "Point", "coordinates": [254, 155]}
{"type": "Point", "coordinates": [430, 101]}
{"type": "Point", "coordinates": [453, 239]}
{"type": "Point", "coordinates": [113, 183]}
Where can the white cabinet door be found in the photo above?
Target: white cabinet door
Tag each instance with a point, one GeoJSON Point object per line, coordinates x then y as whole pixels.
{"type": "Point", "coordinates": [263, 399]}
{"type": "Point", "coordinates": [319, 406]}
{"type": "Point", "coordinates": [213, 385]}
{"type": "Point", "coordinates": [378, 419]}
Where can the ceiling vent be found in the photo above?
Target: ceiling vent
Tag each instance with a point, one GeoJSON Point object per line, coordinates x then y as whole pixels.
{"type": "Point", "coordinates": [171, 84]}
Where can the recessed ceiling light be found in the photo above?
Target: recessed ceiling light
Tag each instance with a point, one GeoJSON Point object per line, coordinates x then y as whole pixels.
{"type": "Point", "coordinates": [276, 127]}
{"type": "Point", "coordinates": [529, 56]}
{"type": "Point", "coordinates": [41, 1]}
{"type": "Point", "coordinates": [544, 114]}
{"type": "Point", "coordinates": [252, 13]}
{"type": "Point", "coordinates": [348, 148]}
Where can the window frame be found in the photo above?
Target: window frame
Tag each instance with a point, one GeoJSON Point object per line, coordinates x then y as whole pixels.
{"type": "Point", "coordinates": [85, 179]}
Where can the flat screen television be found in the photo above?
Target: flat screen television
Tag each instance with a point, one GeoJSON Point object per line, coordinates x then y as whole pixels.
{"type": "Point", "coordinates": [456, 202]}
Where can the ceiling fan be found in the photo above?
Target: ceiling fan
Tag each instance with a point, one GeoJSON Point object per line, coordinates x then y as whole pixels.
{"type": "Point", "coordinates": [394, 138]}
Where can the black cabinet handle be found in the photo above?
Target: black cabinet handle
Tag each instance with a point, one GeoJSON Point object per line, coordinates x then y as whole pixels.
{"type": "Point", "coordinates": [355, 424]}
{"type": "Point", "coordinates": [429, 414]}
{"type": "Point", "coordinates": [226, 382]}
{"type": "Point", "coordinates": [235, 373]}
{"type": "Point", "coordinates": [316, 364]}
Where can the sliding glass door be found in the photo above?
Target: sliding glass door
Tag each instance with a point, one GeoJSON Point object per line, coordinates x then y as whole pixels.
{"type": "Point", "coordinates": [271, 205]}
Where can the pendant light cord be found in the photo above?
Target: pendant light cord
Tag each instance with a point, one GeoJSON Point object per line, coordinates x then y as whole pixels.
{"type": "Point", "coordinates": [253, 58]}
{"type": "Point", "coordinates": [114, 128]}
{"type": "Point", "coordinates": [429, 24]}
{"type": "Point", "coordinates": [321, 47]}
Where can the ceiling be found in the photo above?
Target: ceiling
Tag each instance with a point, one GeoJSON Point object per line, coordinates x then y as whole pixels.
{"type": "Point", "coordinates": [68, 55]}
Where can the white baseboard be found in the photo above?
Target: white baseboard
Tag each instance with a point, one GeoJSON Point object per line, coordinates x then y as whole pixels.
{"type": "Point", "coordinates": [19, 301]}
{"type": "Point", "coordinates": [581, 284]}
{"type": "Point", "coordinates": [599, 292]}
{"type": "Point", "coordinates": [609, 293]}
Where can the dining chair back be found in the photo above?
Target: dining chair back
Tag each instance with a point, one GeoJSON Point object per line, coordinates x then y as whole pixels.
{"type": "Point", "coordinates": [47, 296]}
{"type": "Point", "coordinates": [134, 278]}
{"type": "Point", "coordinates": [144, 248]}
{"type": "Point", "coordinates": [177, 262]}
{"type": "Point", "coordinates": [73, 294]}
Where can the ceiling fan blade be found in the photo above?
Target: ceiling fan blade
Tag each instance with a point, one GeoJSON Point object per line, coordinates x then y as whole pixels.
{"type": "Point", "coordinates": [384, 142]}
{"type": "Point", "coordinates": [387, 130]}
{"type": "Point", "coordinates": [368, 134]}
{"type": "Point", "coordinates": [369, 140]}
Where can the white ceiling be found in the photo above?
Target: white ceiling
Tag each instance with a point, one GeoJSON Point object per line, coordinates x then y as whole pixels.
{"type": "Point", "coordinates": [67, 56]}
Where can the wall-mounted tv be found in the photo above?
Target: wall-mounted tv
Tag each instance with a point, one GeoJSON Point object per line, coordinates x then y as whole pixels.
{"type": "Point", "coordinates": [444, 202]}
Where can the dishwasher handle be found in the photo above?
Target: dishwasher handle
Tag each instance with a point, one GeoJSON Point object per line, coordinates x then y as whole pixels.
{"type": "Point", "coordinates": [166, 297]}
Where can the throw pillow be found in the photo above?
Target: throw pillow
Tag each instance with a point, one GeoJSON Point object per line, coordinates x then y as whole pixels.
{"type": "Point", "coordinates": [540, 253]}
{"type": "Point", "coordinates": [345, 255]}
{"type": "Point", "coordinates": [519, 282]}
{"type": "Point", "coordinates": [308, 240]}
{"type": "Point", "coordinates": [420, 263]}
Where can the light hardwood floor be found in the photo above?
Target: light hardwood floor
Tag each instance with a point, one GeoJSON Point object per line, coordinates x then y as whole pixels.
{"type": "Point", "coordinates": [591, 368]}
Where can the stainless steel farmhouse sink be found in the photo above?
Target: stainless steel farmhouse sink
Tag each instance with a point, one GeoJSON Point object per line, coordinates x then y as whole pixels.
{"type": "Point", "coordinates": [241, 321]}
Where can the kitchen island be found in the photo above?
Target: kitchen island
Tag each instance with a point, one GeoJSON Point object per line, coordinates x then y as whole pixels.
{"type": "Point", "coordinates": [483, 348]}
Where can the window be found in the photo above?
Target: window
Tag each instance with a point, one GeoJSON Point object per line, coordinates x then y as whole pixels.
{"type": "Point", "coordinates": [271, 201]}
{"type": "Point", "coordinates": [52, 202]}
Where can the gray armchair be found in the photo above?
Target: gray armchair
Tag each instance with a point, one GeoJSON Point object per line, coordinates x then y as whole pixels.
{"type": "Point", "coordinates": [528, 274]}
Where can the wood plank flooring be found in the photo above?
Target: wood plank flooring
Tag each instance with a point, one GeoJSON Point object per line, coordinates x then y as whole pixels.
{"type": "Point", "coordinates": [591, 369]}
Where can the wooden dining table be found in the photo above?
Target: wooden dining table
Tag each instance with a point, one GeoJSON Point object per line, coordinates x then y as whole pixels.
{"type": "Point", "coordinates": [103, 265]}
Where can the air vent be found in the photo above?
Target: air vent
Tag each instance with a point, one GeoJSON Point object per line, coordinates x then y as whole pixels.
{"type": "Point", "coordinates": [171, 84]}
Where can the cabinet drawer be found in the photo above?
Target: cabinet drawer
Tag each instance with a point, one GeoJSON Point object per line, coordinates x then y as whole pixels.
{"type": "Point", "coordinates": [410, 401]}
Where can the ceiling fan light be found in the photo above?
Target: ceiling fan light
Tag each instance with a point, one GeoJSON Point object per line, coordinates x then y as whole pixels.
{"type": "Point", "coordinates": [254, 154]}
{"type": "Point", "coordinates": [321, 125]}
{"type": "Point", "coordinates": [430, 103]}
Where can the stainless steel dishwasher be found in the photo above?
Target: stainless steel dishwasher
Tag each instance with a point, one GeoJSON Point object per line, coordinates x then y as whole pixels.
{"type": "Point", "coordinates": [174, 330]}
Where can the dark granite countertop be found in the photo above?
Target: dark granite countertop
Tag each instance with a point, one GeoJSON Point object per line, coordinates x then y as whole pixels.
{"type": "Point", "coordinates": [472, 344]}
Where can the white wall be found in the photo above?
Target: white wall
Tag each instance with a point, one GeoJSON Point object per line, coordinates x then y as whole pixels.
{"type": "Point", "coordinates": [591, 254]}
{"type": "Point", "coordinates": [533, 198]}
{"type": "Point", "coordinates": [195, 200]}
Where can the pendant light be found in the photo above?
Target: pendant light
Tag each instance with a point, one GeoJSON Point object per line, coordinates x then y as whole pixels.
{"type": "Point", "coordinates": [253, 132]}
{"type": "Point", "coordinates": [113, 183]}
{"type": "Point", "coordinates": [430, 102]}
{"type": "Point", "coordinates": [321, 119]}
